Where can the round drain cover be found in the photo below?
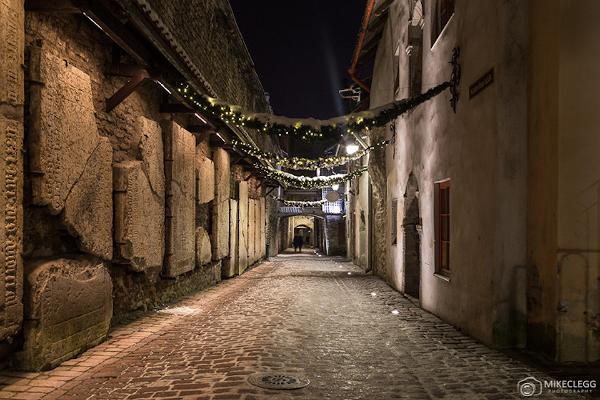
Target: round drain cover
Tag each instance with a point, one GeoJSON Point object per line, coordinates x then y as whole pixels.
{"type": "Point", "coordinates": [278, 381]}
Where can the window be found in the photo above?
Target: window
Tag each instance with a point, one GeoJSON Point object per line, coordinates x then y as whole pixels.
{"type": "Point", "coordinates": [394, 222]}
{"type": "Point", "coordinates": [441, 11]}
{"type": "Point", "coordinates": [442, 227]}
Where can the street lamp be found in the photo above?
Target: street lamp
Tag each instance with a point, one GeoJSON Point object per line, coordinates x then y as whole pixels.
{"type": "Point", "coordinates": [351, 148]}
{"type": "Point", "coordinates": [335, 187]}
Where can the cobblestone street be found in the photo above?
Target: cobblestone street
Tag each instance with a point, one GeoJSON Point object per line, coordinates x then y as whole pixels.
{"type": "Point", "coordinates": [350, 334]}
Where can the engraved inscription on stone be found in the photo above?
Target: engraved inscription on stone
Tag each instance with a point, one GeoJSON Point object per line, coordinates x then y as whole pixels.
{"type": "Point", "coordinates": [205, 170]}
{"type": "Point", "coordinates": [251, 230]}
{"type": "Point", "coordinates": [11, 50]}
{"type": "Point", "coordinates": [139, 218]}
{"type": "Point", "coordinates": [68, 310]}
{"type": "Point", "coordinates": [220, 224]}
{"type": "Point", "coordinates": [180, 155]}
{"type": "Point", "coordinates": [11, 226]}
{"type": "Point", "coordinates": [242, 248]}
{"type": "Point", "coordinates": [63, 130]}
{"type": "Point", "coordinates": [230, 263]}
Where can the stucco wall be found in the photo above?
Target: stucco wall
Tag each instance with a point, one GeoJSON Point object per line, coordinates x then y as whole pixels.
{"type": "Point", "coordinates": [481, 149]}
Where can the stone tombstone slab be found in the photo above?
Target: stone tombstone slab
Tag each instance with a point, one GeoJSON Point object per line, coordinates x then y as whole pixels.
{"type": "Point", "coordinates": [70, 163]}
{"type": "Point", "coordinates": [180, 154]}
{"type": "Point", "coordinates": [263, 227]}
{"type": "Point", "coordinates": [64, 132]}
{"type": "Point", "coordinates": [257, 230]}
{"type": "Point", "coordinates": [220, 230]}
{"type": "Point", "coordinates": [205, 175]}
{"type": "Point", "coordinates": [222, 175]}
{"type": "Point", "coordinates": [152, 154]}
{"type": "Point", "coordinates": [251, 231]}
{"type": "Point", "coordinates": [88, 213]}
{"type": "Point", "coordinates": [139, 217]}
{"type": "Point", "coordinates": [230, 267]}
{"type": "Point", "coordinates": [203, 247]}
{"type": "Point", "coordinates": [68, 308]}
{"type": "Point", "coordinates": [11, 227]}
{"type": "Point", "coordinates": [12, 39]}
{"type": "Point", "coordinates": [242, 248]}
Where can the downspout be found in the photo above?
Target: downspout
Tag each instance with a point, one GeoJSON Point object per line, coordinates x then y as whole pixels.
{"type": "Point", "coordinates": [361, 41]}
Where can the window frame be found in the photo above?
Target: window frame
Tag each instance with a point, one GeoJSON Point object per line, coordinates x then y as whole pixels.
{"type": "Point", "coordinates": [442, 245]}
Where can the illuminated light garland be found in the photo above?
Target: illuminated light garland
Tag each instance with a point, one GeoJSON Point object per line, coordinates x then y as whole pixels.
{"type": "Point", "coordinates": [298, 203]}
{"type": "Point", "coordinates": [306, 129]}
{"type": "Point", "coordinates": [300, 163]}
{"type": "Point", "coordinates": [308, 182]}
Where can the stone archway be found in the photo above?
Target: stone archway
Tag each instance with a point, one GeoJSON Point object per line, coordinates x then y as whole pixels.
{"type": "Point", "coordinates": [411, 225]}
{"type": "Point", "coordinates": [306, 232]}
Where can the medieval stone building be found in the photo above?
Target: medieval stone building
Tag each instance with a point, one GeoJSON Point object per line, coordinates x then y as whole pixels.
{"type": "Point", "coordinates": [116, 196]}
{"type": "Point", "coordinates": [488, 215]}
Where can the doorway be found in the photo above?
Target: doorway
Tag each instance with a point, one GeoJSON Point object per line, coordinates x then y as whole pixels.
{"type": "Point", "coordinates": [412, 238]}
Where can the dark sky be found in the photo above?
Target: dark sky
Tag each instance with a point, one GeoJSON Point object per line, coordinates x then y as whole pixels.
{"type": "Point", "coordinates": [301, 50]}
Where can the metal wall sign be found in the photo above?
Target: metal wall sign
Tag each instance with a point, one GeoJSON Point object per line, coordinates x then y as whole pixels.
{"type": "Point", "coordinates": [480, 84]}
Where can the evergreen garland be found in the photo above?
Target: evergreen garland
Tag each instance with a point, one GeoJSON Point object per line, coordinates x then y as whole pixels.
{"type": "Point", "coordinates": [301, 163]}
{"type": "Point", "coordinates": [298, 203]}
{"type": "Point", "coordinates": [307, 129]}
{"type": "Point", "coordinates": [286, 179]}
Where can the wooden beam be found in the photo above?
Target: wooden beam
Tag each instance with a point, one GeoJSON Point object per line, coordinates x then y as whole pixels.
{"type": "Point", "coordinates": [175, 109]}
{"type": "Point", "coordinates": [126, 90]}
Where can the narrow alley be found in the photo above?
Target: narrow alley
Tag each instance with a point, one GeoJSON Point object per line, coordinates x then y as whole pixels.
{"type": "Point", "coordinates": [233, 199]}
{"type": "Point", "coordinates": [313, 317]}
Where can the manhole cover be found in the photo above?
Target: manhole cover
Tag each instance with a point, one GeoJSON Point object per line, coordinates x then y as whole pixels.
{"type": "Point", "coordinates": [278, 381]}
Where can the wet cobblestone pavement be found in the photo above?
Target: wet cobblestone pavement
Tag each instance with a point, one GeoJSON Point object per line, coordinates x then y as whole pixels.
{"type": "Point", "coordinates": [350, 334]}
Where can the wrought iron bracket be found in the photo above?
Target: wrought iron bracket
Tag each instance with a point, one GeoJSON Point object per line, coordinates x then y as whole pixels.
{"type": "Point", "coordinates": [455, 78]}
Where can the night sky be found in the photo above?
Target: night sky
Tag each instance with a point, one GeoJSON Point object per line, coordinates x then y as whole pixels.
{"type": "Point", "coordinates": [301, 50]}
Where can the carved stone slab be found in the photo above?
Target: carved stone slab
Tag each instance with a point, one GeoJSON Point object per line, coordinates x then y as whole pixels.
{"type": "Point", "coordinates": [63, 129]}
{"type": "Point", "coordinates": [203, 247]}
{"type": "Point", "coordinates": [11, 227]}
{"type": "Point", "coordinates": [68, 308]}
{"type": "Point", "coordinates": [242, 249]}
{"type": "Point", "coordinates": [139, 218]}
{"type": "Point", "coordinates": [251, 231]}
{"type": "Point", "coordinates": [88, 213]}
{"type": "Point", "coordinates": [152, 154]}
{"type": "Point", "coordinates": [180, 154]}
{"type": "Point", "coordinates": [70, 163]}
{"type": "Point", "coordinates": [257, 230]}
{"type": "Point", "coordinates": [230, 267]}
{"type": "Point", "coordinates": [222, 175]}
{"type": "Point", "coordinates": [12, 37]}
{"type": "Point", "coordinates": [220, 230]}
{"type": "Point", "coordinates": [263, 227]}
{"type": "Point", "coordinates": [205, 171]}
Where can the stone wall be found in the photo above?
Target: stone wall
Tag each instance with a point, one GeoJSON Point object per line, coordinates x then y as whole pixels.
{"type": "Point", "coordinates": [127, 205]}
{"type": "Point", "coordinates": [11, 166]}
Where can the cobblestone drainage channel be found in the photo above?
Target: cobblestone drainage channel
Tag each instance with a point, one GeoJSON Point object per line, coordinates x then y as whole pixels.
{"type": "Point", "coordinates": [278, 381]}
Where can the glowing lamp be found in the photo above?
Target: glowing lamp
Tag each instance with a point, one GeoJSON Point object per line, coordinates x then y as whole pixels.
{"type": "Point", "coordinates": [335, 187]}
{"type": "Point", "coordinates": [351, 149]}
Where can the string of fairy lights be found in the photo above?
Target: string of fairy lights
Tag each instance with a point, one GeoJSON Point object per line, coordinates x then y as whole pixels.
{"type": "Point", "coordinates": [288, 180]}
{"type": "Point", "coordinates": [301, 163]}
{"type": "Point", "coordinates": [309, 130]}
{"type": "Point", "coordinates": [300, 203]}
{"type": "Point", "coordinates": [305, 129]}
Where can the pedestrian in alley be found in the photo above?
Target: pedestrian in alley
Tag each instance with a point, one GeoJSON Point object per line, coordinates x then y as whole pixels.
{"type": "Point", "coordinates": [298, 242]}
